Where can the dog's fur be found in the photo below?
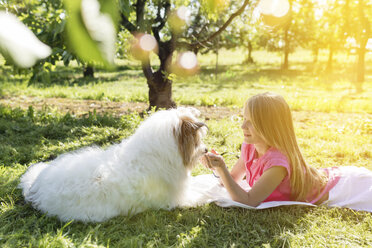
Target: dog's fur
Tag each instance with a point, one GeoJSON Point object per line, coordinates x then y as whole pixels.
{"type": "Point", "coordinates": [148, 170]}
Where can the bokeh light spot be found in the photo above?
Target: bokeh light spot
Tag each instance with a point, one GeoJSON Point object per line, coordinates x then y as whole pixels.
{"type": "Point", "coordinates": [184, 13]}
{"type": "Point", "coordinates": [188, 60]}
{"type": "Point", "coordinates": [277, 8]}
{"type": "Point", "coordinates": [179, 18]}
{"type": "Point", "coordinates": [142, 45]}
{"type": "Point", "coordinates": [185, 65]}
{"type": "Point", "coordinates": [147, 42]}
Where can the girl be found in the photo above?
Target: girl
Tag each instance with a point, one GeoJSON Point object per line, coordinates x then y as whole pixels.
{"type": "Point", "coordinates": [275, 169]}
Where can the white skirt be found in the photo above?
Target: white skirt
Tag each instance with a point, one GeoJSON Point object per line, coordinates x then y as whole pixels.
{"type": "Point", "coordinates": [353, 190]}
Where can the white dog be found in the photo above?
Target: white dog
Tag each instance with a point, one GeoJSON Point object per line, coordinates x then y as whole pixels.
{"type": "Point", "coordinates": [148, 170]}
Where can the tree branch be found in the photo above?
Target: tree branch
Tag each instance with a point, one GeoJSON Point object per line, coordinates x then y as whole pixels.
{"type": "Point", "coordinates": [197, 45]}
{"type": "Point", "coordinates": [127, 24]}
{"type": "Point", "coordinates": [161, 20]}
{"type": "Point", "coordinates": [140, 14]}
{"type": "Point", "coordinates": [147, 71]}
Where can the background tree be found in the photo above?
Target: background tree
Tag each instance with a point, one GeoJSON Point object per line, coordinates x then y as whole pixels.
{"type": "Point", "coordinates": [316, 28]}
{"type": "Point", "coordinates": [358, 17]}
{"type": "Point", "coordinates": [345, 26]}
{"type": "Point", "coordinates": [331, 34]}
{"type": "Point", "coordinates": [252, 33]}
{"type": "Point", "coordinates": [151, 17]}
{"type": "Point", "coordinates": [297, 32]}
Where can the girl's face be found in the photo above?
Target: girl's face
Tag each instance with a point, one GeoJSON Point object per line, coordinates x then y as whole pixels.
{"type": "Point", "coordinates": [250, 134]}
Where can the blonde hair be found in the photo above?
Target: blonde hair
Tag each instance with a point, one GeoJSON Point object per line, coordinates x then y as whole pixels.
{"type": "Point", "coordinates": [272, 119]}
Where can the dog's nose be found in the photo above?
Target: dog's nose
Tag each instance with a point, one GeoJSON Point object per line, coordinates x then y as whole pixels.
{"type": "Point", "coordinates": [205, 150]}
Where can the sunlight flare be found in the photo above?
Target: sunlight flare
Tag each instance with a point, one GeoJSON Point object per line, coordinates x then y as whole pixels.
{"type": "Point", "coordinates": [179, 18]}
{"type": "Point", "coordinates": [277, 8]}
{"type": "Point", "coordinates": [274, 12]}
{"type": "Point", "coordinates": [184, 13]}
{"type": "Point", "coordinates": [142, 45]}
{"type": "Point", "coordinates": [188, 60]}
{"type": "Point", "coordinates": [147, 42]}
{"type": "Point", "coordinates": [186, 64]}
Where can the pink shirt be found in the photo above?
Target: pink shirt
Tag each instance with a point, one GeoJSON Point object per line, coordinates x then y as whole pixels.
{"type": "Point", "coordinates": [255, 167]}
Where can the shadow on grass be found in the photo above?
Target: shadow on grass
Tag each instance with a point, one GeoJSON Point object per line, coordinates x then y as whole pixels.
{"type": "Point", "coordinates": [232, 78]}
{"type": "Point", "coordinates": [69, 76]}
{"type": "Point", "coordinates": [204, 226]}
{"type": "Point", "coordinates": [27, 137]}
{"type": "Point", "coordinates": [300, 73]}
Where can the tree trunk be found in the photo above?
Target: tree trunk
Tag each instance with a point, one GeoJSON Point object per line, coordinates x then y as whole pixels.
{"type": "Point", "coordinates": [330, 60]}
{"type": "Point", "coordinates": [88, 71]}
{"type": "Point", "coordinates": [160, 91]}
{"type": "Point", "coordinates": [249, 59]}
{"type": "Point", "coordinates": [360, 69]}
{"type": "Point", "coordinates": [364, 34]}
{"type": "Point", "coordinates": [361, 65]}
{"type": "Point", "coordinates": [217, 48]}
{"type": "Point", "coordinates": [287, 44]}
{"type": "Point", "coordinates": [286, 51]}
{"type": "Point", "coordinates": [160, 86]}
{"type": "Point", "coordinates": [250, 49]}
{"type": "Point", "coordinates": [315, 54]}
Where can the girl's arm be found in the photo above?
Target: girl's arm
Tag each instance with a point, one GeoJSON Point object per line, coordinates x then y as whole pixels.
{"type": "Point", "coordinates": [267, 183]}
{"type": "Point", "coordinates": [238, 171]}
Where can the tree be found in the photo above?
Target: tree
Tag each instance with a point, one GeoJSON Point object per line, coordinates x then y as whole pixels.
{"type": "Point", "coordinates": [251, 33]}
{"type": "Point", "coordinates": [151, 17]}
{"type": "Point", "coordinates": [346, 25]}
{"type": "Point", "coordinates": [329, 33]}
{"type": "Point", "coordinates": [297, 32]}
{"type": "Point", "coordinates": [294, 28]}
{"type": "Point", "coordinates": [277, 18]}
{"type": "Point", "coordinates": [362, 34]}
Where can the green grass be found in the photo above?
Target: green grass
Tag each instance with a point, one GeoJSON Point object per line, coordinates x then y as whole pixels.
{"type": "Point", "coordinates": [333, 125]}
{"type": "Point", "coordinates": [306, 86]}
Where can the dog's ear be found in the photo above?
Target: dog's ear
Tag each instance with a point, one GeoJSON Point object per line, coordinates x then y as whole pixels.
{"type": "Point", "coordinates": [187, 138]}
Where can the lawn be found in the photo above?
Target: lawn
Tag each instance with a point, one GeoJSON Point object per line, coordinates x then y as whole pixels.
{"type": "Point", "coordinates": [333, 125]}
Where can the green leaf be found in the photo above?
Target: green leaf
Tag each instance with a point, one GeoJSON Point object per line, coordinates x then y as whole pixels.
{"type": "Point", "coordinates": [18, 44]}
{"type": "Point", "coordinates": [125, 7]}
{"type": "Point", "coordinates": [110, 7]}
{"type": "Point", "coordinates": [92, 35]}
{"type": "Point", "coordinates": [214, 6]}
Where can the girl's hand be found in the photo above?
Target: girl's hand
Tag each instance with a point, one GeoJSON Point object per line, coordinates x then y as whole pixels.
{"type": "Point", "coordinates": [212, 160]}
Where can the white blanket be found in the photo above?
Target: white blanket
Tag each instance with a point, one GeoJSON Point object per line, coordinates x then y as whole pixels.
{"type": "Point", "coordinates": [206, 188]}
